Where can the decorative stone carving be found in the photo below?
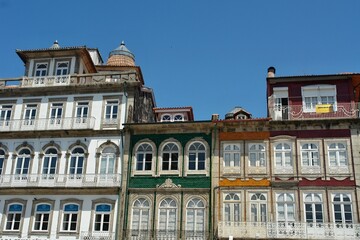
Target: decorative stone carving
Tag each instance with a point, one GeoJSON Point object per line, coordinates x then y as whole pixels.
{"type": "Point", "coordinates": [168, 184]}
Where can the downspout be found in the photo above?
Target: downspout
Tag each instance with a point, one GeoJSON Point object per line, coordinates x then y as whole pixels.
{"type": "Point", "coordinates": [117, 235]}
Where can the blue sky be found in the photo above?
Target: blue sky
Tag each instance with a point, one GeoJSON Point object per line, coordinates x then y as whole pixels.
{"type": "Point", "coordinates": [211, 55]}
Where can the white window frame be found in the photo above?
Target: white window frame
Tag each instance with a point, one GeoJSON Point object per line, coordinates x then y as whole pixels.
{"type": "Point", "coordinates": [70, 214]}
{"type": "Point", "coordinates": [50, 163]}
{"type": "Point", "coordinates": [5, 114]}
{"type": "Point", "coordinates": [102, 218]}
{"type": "Point", "coordinates": [195, 217]}
{"type": "Point", "coordinates": [232, 207]}
{"type": "Point", "coordinates": [343, 208]}
{"type": "Point", "coordinates": [63, 70]}
{"type": "Point", "coordinates": [195, 155]}
{"type": "Point", "coordinates": [257, 155]}
{"type": "Point", "coordinates": [166, 118]}
{"type": "Point", "coordinates": [76, 156]}
{"type": "Point", "coordinates": [258, 207]}
{"type": "Point", "coordinates": [168, 207]}
{"type": "Point", "coordinates": [23, 168]}
{"type": "Point", "coordinates": [107, 161]}
{"type": "Point", "coordinates": [283, 155]}
{"type": "Point", "coordinates": [338, 150]}
{"type": "Point", "coordinates": [30, 113]}
{"type": "Point", "coordinates": [172, 152]}
{"type": "Point", "coordinates": [140, 216]}
{"type": "Point", "coordinates": [56, 113]}
{"type": "Point", "coordinates": [312, 202]}
{"type": "Point", "coordinates": [178, 118]}
{"type": "Point", "coordinates": [40, 218]}
{"type": "Point", "coordinates": [285, 208]}
{"type": "Point", "coordinates": [111, 113]}
{"type": "Point", "coordinates": [2, 161]}
{"type": "Point", "coordinates": [82, 111]}
{"type": "Point", "coordinates": [14, 217]}
{"type": "Point", "coordinates": [145, 151]}
{"type": "Point", "coordinates": [316, 95]}
{"type": "Point", "coordinates": [40, 71]}
{"type": "Point", "coordinates": [312, 154]}
{"type": "Point", "coordinates": [232, 155]}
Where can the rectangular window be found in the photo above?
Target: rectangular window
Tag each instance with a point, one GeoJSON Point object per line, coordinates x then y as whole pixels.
{"type": "Point", "coordinates": [111, 111]}
{"type": "Point", "coordinates": [30, 114]}
{"type": "Point", "coordinates": [82, 111]}
{"type": "Point", "coordinates": [70, 217]}
{"type": "Point", "coordinates": [14, 216]}
{"type": "Point", "coordinates": [62, 68]}
{"type": "Point", "coordinates": [5, 115]}
{"type": "Point", "coordinates": [317, 95]}
{"type": "Point", "coordinates": [56, 113]}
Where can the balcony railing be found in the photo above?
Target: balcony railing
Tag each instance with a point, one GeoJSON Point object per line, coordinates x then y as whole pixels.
{"type": "Point", "coordinates": [60, 180]}
{"type": "Point", "coordinates": [294, 230]}
{"type": "Point", "coordinates": [296, 112]}
{"type": "Point", "coordinates": [97, 236]}
{"type": "Point", "coordinates": [47, 124]}
{"type": "Point", "coordinates": [46, 81]}
{"type": "Point", "coordinates": [164, 235]}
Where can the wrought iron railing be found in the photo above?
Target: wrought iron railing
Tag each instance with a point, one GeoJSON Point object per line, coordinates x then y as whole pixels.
{"type": "Point", "coordinates": [298, 112]}
{"type": "Point", "coordinates": [60, 180]}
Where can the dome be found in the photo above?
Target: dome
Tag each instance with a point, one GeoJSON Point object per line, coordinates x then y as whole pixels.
{"type": "Point", "coordinates": [55, 45]}
{"type": "Point", "coordinates": [121, 56]}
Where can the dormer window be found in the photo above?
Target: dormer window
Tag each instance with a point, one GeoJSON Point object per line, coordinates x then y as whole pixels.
{"type": "Point", "coordinates": [41, 69]}
{"type": "Point", "coordinates": [166, 118]}
{"type": "Point", "coordinates": [62, 68]}
{"type": "Point", "coordinates": [178, 118]}
{"type": "Point", "coordinates": [317, 95]}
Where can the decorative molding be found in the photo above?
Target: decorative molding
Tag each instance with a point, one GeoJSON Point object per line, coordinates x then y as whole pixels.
{"type": "Point", "coordinates": [168, 184]}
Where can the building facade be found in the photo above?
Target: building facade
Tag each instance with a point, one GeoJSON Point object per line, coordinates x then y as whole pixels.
{"type": "Point", "coordinates": [168, 189]}
{"type": "Point", "coordinates": [61, 150]}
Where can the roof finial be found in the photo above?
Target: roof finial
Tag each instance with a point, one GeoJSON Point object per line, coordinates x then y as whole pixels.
{"type": "Point", "coordinates": [55, 45]}
{"type": "Point", "coordinates": [122, 42]}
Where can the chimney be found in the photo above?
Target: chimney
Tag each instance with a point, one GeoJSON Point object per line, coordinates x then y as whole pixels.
{"type": "Point", "coordinates": [215, 117]}
{"type": "Point", "coordinates": [271, 72]}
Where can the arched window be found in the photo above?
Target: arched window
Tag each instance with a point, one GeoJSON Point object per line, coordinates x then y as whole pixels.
{"type": "Point", "coordinates": [77, 161]}
{"type": "Point", "coordinates": [140, 219]}
{"type": "Point", "coordinates": [166, 118]}
{"type": "Point", "coordinates": [178, 118]}
{"type": "Point", "coordinates": [313, 208]}
{"type": "Point", "coordinates": [168, 216]}
{"type": "Point", "coordinates": [195, 218]}
{"type": "Point", "coordinates": [258, 207]}
{"type": "Point", "coordinates": [257, 155]}
{"type": "Point", "coordinates": [283, 155]}
{"type": "Point", "coordinates": [50, 163]}
{"type": "Point", "coordinates": [107, 161]}
{"type": "Point", "coordinates": [232, 207]}
{"type": "Point", "coordinates": [42, 217]}
{"type": "Point", "coordinates": [70, 217]}
{"type": "Point", "coordinates": [342, 208]}
{"type": "Point", "coordinates": [102, 217]}
{"type": "Point", "coordinates": [14, 217]}
{"type": "Point", "coordinates": [285, 207]}
{"type": "Point", "coordinates": [197, 156]}
{"type": "Point", "coordinates": [231, 155]}
{"type": "Point", "coordinates": [23, 163]}
{"type": "Point", "coordinates": [144, 155]}
{"type": "Point", "coordinates": [2, 160]}
{"type": "Point", "coordinates": [337, 155]}
{"type": "Point", "coordinates": [170, 157]}
{"type": "Point", "coordinates": [310, 155]}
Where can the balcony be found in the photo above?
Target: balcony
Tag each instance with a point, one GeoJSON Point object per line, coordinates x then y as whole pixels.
{"type": "Point", "coordinates": [47, 124]}
{"type": "Point", "coordinates": [275, 230]}
{"type": "Point", "coordinates": [60, 180]}
{"type": "Point", "coordinates": [296, 112]}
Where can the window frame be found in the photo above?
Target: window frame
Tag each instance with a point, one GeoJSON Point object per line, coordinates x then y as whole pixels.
{"type": "Point", "coordinates": [168, 210]}
{"type": "Point", "coordinates": [145, 155]}
{"type": "Point", "coordinates": [316, 93]}
{"type": "Point", "coordinates": [233, 205]}
{"type": "Point", "coordinates": [261, 207]}
{"type": "Point", "coordinates": [313, 210]}
{"type": "Point", "coordinates": [289, 207]}
{"type": "Point", "coordinates": [142, 210]}
{"type": "Point", "coordinates": [64, 203]}
{"type": "Point", "coordinates": [257, 152]}
{"type": "Point", "coordinates": [36, 203]}
{"type": "Point", "coordinates": [171, 153]}
{"type": "Point", "coordinates": [5, 216]}
{"type": "Point", "coordinates": [57, 68]}
{"type": "Point", "coordinates": [6, 114]}
{"type": "Point", "coordinates": [309, 151]}
{"type": "Point", "coordinates": [343, 211]}
{"type": "Point", "coordinates": [337, 151]}
{"type": "Point", "coordinates": [197, 153]}
{"type": "Point", "coordinates": [194, 211]}
{"type": "Point", "coordinates": [233, 162]}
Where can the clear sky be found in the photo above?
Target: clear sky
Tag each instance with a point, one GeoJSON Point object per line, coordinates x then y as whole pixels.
{"type": "Point", "coordinates": [211, 55]}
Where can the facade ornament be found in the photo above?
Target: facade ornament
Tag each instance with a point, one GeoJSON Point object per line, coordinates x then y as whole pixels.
{"type": "Point", "coordinates": [168, 184]}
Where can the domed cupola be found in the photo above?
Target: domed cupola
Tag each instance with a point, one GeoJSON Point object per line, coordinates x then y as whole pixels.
{"type": "Point", "coordinates": [121, 56]}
